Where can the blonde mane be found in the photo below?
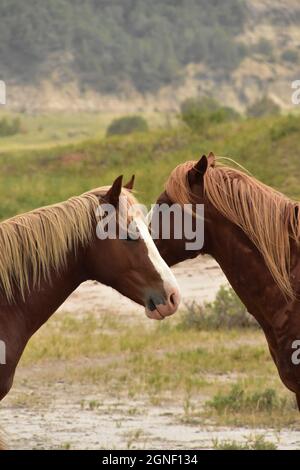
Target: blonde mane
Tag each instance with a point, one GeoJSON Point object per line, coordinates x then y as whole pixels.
{"type": "Point", "coordinates": [34, 244]}
{"type": "Point", "coordinates": [268, 218]}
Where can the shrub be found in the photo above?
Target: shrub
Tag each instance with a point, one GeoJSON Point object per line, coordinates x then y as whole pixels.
{"type": "Point", "coordinates": [285, 127]}
{"type": "Point", "coordinates": [290, 55]}
{"type": "Point", "coordinates": [237, 400]}
{"type": "Point", "coordinates": [198, 113]}
{"type": "Point", "coordinates": [194, 317]}
{"type": "Point", "coordinates": [9, 127]}
{"type": "Point", "coordinates": [263, 47]}
{"type": "Point", "coordinates": [127, 125]}
{"type": "Point", "coordinates": [263, 107]}
{"type": "Point", "coordinates": [252, 443]}
{"type": "Point", "coordinates": [226, 311]}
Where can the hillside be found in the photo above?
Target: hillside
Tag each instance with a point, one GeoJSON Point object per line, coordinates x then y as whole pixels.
{"type": "Point", "coordinates": [269, 148]}
{"type": "Point", "coordinates": [106, 44]}
{"type": "Point", "coordinates": [129, 55]}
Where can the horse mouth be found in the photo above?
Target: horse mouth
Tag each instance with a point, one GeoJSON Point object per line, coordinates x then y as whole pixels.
{"type": "Point", "coordinates": [154, 315]}
{"type": "Point", "coordinates": [153, 312]}
{"type": "Point", "coordinates": [159, 306]}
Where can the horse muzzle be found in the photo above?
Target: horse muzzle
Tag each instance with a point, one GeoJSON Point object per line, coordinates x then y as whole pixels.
{"type": "Point", "coordinates": [158, 308]}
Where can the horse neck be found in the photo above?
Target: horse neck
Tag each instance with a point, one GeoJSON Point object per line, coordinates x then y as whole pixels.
{"type": "Point", "coordinates": [44, 300]}
{"type": "Point", "coordinates": [242, 264]}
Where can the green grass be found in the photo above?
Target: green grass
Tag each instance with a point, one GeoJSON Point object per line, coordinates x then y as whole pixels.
{"type": "Point", "coordinates": [269, 148]}
{"type": "Point", "coordinates": [199, 369]}
{"type": "Point", "coordinates": [53, 129]}
{"type": "Point", "coordinates": [237, 400]}
{"type": "Point", "coordinates": [252, 443]}
{"type": "Point", "coordinates": [253, 403]}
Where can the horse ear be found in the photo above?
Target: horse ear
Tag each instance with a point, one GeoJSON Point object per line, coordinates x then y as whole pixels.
{"type": "Point", "coordinates": [130, 183]}
{"type": "Point", "coordinates": [113, 194]}
{"type": "Point", "coordinates": [198, 170]}
{"type": "Point", "coordinates": [211, 159]}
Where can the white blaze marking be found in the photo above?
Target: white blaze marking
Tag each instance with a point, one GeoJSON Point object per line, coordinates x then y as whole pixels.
{"type": "Point", "coordinates": [160, 265]}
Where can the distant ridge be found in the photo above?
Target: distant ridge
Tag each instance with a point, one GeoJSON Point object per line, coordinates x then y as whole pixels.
{"type": "Point", "coordinates": [131, 54]}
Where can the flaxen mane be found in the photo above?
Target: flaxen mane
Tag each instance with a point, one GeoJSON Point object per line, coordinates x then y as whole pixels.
{"type": "Point", "coordinates": [269, 218]}
{"type": "Point", "coordinates": [33, 244]}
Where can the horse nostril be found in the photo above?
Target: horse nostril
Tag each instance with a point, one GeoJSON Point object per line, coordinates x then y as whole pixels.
{"type": "Point", "coordinates": [151, 305]}
{"type": "Point", "coordinates": [173, 299]}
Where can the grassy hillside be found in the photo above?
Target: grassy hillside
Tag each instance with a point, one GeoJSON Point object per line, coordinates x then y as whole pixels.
{"type": "Point", "coordinates": [74, 55]}
{"type": "Point", "coordinates": [105, 44]}
{"type": "Point", "coordinates": [45, 130]}
{"type": "Point", "coordinates": [268, 147]}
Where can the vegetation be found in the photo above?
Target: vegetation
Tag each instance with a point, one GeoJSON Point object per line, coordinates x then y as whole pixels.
{"type": "Point", "coordinates": [45, 173]}
{"type": "Point", "coordinates": [127, 125]}
{"type": "Point", "coordinates": [237, 399]}
{"type": "Point", "coordinates": [252, 443]}
{"type": "Point", "coordinates": [123, 366]}
{"type": "Point", "coordinates": [219, 375]}
{"type": "Point", "coordinates": [285, 127]}
{"type": "Point", "coordinates": [199, 113]}
{"type": "Point", "coordinates": [9, 127]}
{"type": "Point", "coordinates": [53, 129]}
{"type": "Point", "coordinates": [226, 311]}
{"type": "Point", "coordinates": [264, 47]}
{"type": "Point", "coordinates": [263, 107]}
{"type": "Point", "coordinates": [290, 55]}
{"type": "Point", "coordinates": [107, 44]}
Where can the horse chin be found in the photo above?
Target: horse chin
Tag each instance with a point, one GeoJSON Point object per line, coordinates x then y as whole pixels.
{"type": "Point", "coordinates": [154, 314]}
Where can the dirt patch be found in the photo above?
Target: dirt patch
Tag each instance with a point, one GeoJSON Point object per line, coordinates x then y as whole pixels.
{"type": "Point", "coordinates": [79, 419]}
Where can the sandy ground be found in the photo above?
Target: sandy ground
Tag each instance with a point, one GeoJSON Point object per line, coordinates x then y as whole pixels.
{"type": "Point", "coordinates": [68, 420]}
{"type": "Point", "coordinates": [124, 424]}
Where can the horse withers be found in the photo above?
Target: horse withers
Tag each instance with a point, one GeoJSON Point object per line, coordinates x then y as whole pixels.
{"type": "Point", "coordinates": [253, 232]}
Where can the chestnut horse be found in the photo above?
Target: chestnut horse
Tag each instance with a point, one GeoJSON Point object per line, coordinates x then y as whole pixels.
{"type": "Point", "coordinates": [253, 232]}
{"type": "Point", "coordinates": [45, 255]}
